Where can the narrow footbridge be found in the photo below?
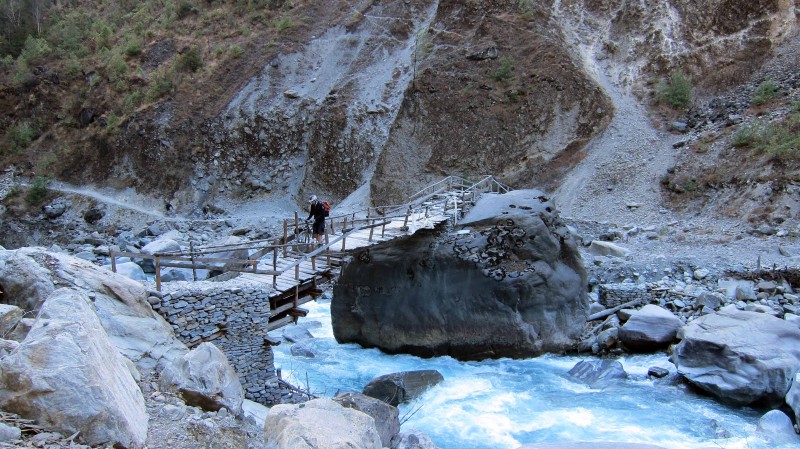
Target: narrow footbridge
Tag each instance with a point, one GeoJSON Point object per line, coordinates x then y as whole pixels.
{"type": "Point", "coordinates": [290, 268]}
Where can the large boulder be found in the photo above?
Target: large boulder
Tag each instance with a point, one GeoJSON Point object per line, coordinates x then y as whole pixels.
{"type": "Point", "coordinates": [69, 377]}
{"type": "Point", "coordinates": [739, 357]}
{"type": "Point", "coordinates": [398, 388]}
{"type": "Point", "coordinates": [650, 328]}
{"type": "Point", "coordinates": [319, 424]}
{"type": "Point", "coordinates": [387, 418]}
{"type": "Point", "coordinates": [204, 378]}
{"type": "Point", "coordinates": [158, 246]}
{"type": "Point", "coordinates": [29, 275]}
{"type": "Point", "coordinates": [508, 283]}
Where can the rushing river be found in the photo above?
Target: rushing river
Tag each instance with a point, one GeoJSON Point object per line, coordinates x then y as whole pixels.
{"type": "Point", "coordinates": [503, 404]}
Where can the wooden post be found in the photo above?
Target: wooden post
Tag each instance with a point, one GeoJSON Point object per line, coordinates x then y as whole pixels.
{"type": "Point", "coordinates": [327, 249]}
{"type": "Point", "coordinates": [113, 262]}
{"type": "Point", "coordinates": [191, 255]}
{"type": "Point", "coordinates": [344, 228]}
{"type": "Point", "coordinates": [371, 228]}
{"type": "Point", "coordinates": [158, 274]}
{"type": "Point", "coordinates": [333, 229]}
{"type": "Point", "coordinates": [297, 272]}
{"type": "Point", "coordinates": [285, 237]}
{"type": "Point", "coordinates": [275, 267]}
{"type": "Point", "coordinates": [408, 212]}
{"type": "Point", "coordinates": [314, 264]}
{"type": "Point", "coordinates": [383, 228]}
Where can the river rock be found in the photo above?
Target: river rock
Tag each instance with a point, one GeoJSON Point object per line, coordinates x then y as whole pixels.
{"type": "Point", "coordinates": [9, 433]}
{"type": "Point", "coordinates": [69, 377]}
{"type": "Point", "coordinates": [777, 428]}
{"type": "Point", "coordinates": [9, 317]}
{"type": "Point", "coordinates": [413, 439]}
{"type": "Point", "coordinates": [509, 282]}
{"type": "Point", "coordinates": [601, 248]}
{"type": "Point", "coordinates": [398, 388]}
{"type": "Point", "coordinates": [739, 357]}
{"type": "Point", "coordinates": [158, 246]}
{"type": "Point", "coordinates": [319, 424]}
{"type": "Point", "coordinates": [793, 396]}
{"type": "Point", "coordinates": [29, 275]}
{"type": "Point", "coordinates": [650, 328]}
{"type": "Point", "coordinates": [387, 418]}
{"type": "Point", "coordinates": [204, 378]}
{"type": "Point", "coordinates": [598, 373]}
{"type": "Point", "coordinates": [130, 270]}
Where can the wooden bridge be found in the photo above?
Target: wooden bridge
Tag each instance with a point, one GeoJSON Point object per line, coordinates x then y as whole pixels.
{"type": "Point", "coordinates": [292, 270]}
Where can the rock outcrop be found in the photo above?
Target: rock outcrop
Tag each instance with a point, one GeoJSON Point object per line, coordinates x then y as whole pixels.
{"type": "Point", "coordinates": [319, 424]}
{"type": "Point", "coordinates": [508, 283]}
{"type": "Point", "coordinates": [387, 417]}
{"type": "Point", "coordinates": [740, 357]}
{"type": "Point", "coordinates": [68, 376]}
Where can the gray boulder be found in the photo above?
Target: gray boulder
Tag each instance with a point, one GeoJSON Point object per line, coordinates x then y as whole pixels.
{"type": "Point", "coordinates": [29, 275]}
{"type": "Point", "coordinates": [9, 317]}
{"type": "Point", "coordinates": [398, 388]}
{"type": "Point", "coordinates": [601, 248]}
{"type": "Point", "coordinates": [69, 377]}
{"type": "Point", "coordinates": [387, 418]}
{"type": "Point", "coordinates": [598, 373]}
{"type": "Point", "coordinates": [204, 378]}
{"type": "Point", "coordinates": [739, 357]}
{"type": "Point", "coordinates": [650, 328]}
{"type": "Point", "coordinates": [777, 428]}
{"type": "Point", "coordinates": [9, 433]}
{"type": "Point", "coordinates": [510, 283]}
{"type": "Point", "coordinates": [413, 439]}
{"type": "Point", "coordinates": [130, 270]}
{"type": "Point", "coordinates": [158, 246]}
{"type": "Point", "coordinates": [319, 424]}
{"type": "Point", "coordinates": [793, 396]}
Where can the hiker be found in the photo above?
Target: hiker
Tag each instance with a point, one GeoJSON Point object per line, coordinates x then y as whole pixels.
{"type": "Point", "coordinates": [317, 211]}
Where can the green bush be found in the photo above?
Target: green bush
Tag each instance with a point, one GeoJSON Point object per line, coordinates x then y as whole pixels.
{"type": "Point", "coordinates": [765, 92]}
{"type": "Point", "coordinates": [160, 85]}
{"type": "Point", "coordinates": [185, 9]}
{"type": "Point", "coordinates": [783, 140]}
{"type": "Point", "coordinates": [796, 106]}
{"type": "Point", "coordinates": [191, 60]}
{"type": "Point", "coordinates": [676, 91]}
{"type": "Point", "coordinates": [236, 51]}
{"type": "Point", "coordinates": [37, 192]}
{"type": "Point", "coordinates": [283, 23]}
{"type": "Point", "coordinates": [102, 36]}
{"type": "Point", "coordinates": [748, 135]}
{"type": "Point", "coordinates": [72, 67]}
{"type": "Point", "coordinates": [6, 62]}
{"type": "Point", "coordinates": [20, 135]}
{"type": "Point", "coordinates": [35, 49]}
{"type": "Point", "coordinates": [132, 46]}
{"type": "Point", "coordinates": [132, 101]}
{"type": "Point", "coordinates": [505, 72]}
{"type": "Point", "coordinates": [117, 67]}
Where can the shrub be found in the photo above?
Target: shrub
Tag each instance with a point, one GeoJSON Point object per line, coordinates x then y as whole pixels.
{"type": "Point", "coordinates": [34, 49]}
{"type": "Point", "coordinates": [132, 46]}
{"type": "Point", "coordinates": [796, 106]}
{"type": "Point", "coordinates": [37, 192]}
{"type": "Point", "coordinates": [184, 9]}
{"type": "Point", "coordinates": [191, 60]}
{"type": "Point", "coordinates": [21, 134]}
{"type": "Point", "coordinates": [73, 67]}
{"type": "Point", "coordinates": [283, 23]}
{"type": "Point", "coordinates": [236, 51]}
{"type": "Point", "coordinates": [160, 85]}
{"type": "Point", "coordinates": [102, 36]}
{"type": "Point", "coordinates": [675, 91]}
{"type": "Point", "coordinates": [6, 63]}
{"type": "Point", "coordinates": [525, 8]}
{"type": "Point", "coordinates": [132, 101]}
{"type": "Point", "coordinates": [505, 72]}
{"type": "Point", "coordinates": [748, 135]}
{"type": "Point", "coordinates": [783, 140]}
{"type": "Point", "coordinates": [117, 67]}
{"type": "Point", "coordinates": [765, 92]}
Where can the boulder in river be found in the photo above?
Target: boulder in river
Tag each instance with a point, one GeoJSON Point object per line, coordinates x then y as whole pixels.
{"type": "Point", "coordinates": [650, 328]}
{"type": "Point", "coordinates": [508, 282]}
{"type": "Point", "coordinates": [740, 357]}
{"type": "Point", "coordinates": [398, 388]}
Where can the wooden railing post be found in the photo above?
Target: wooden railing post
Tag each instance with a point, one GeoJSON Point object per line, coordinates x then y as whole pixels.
{"type": "Point", "coordinates": [327, 249]}
{"type": "Point", "coordinates": [275, 267]}
{"type": "Point", "coordinates": [285, 238]}
{"type": "Point", "coordinates": [344, 237]}
{"type": "Point", "coordinates": [297, 272]}
{"type": "Point", "coordinates": [191, 256]}
{"type": "Point", "coordinates": [158, 274]}
{"type": "Point", "coordinates": [371, 229]}
{"type": "Point", "coordinates": [113, 262]}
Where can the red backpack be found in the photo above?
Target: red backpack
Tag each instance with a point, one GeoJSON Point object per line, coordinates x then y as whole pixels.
{"type": "Point", "coordinates": [326, 206]}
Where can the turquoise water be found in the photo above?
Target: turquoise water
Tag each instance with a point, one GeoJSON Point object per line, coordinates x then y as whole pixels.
{"type": "Point", "coordinates": [503, 404]}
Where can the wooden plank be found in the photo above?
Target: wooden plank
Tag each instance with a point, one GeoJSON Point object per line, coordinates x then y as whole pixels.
{"type": "Point", "coordinates": [271, 326]}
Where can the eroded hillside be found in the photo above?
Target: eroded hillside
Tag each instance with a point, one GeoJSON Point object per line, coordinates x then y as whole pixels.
{"type": "Point", "coordinates": [288, 98]}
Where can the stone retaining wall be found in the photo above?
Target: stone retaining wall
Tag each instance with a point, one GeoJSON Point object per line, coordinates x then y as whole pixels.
{"type": "Point", "coordinates": [235, 319]}
{"type": "Point", "coordinates": [612, 295]}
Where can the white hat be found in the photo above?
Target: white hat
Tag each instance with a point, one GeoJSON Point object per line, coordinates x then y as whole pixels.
{"type": "Point", "coordinates": [312, 198]}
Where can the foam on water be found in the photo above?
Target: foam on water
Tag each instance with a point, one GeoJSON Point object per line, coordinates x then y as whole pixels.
{"type": "Point", "coordinates": [503, 404]}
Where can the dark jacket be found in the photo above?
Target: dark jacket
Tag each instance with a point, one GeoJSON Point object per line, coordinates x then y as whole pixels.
{"type": "Point", "coordinates": [317, 211]}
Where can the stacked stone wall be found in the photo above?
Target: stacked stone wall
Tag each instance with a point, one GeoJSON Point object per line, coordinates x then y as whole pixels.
{"type": "Point", "coordinates": [234, 319]}
{"type": "Point", "coordinates": [612, 295]}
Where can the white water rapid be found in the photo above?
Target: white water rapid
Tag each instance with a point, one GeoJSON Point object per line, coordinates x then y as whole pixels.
{"type": "Point", "coordinates": [503, 404]}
